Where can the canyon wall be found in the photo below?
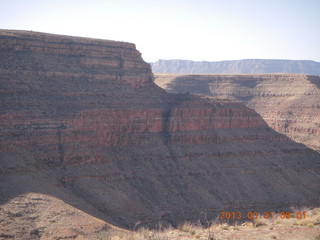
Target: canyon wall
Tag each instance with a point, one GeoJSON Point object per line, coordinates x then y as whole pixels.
{"type": "Point", "coordinates": [83, 121]}
{"type": "Point", "coordinates": [289, 103]}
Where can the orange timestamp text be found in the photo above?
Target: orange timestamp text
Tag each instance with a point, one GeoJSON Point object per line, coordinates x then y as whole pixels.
{"type": "Point", "coordinates": [262, 215]}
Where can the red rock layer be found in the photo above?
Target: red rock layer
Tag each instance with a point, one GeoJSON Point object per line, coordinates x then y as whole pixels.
{"type": "Point", "coordinates": [289, 103]}
{"type": "Point", "coordinates": [78, 57]}
{"type": "Point", "coordinates": [91, 127]}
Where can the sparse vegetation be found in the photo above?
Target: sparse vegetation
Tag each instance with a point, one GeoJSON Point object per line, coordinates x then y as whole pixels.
{"type": "Point", "coordinates": [268, 229]}
{"type": "Point", "coordinates": [259, 223]}
{"type": "Point", "coordinates": [225, 227]}
{"type": "Point", "coordinates": [317, 237]}
{"type": "Point", "coordinates": [188, 228]}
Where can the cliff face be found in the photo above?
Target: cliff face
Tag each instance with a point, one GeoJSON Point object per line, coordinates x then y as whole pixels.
{"type": "Point", "coordinates": [237, 66]}
{"type": "Point", "coordinates": [97, 60]}
{"type": "Point", "coordinates": [289, 103]}
{"type": "Point", "coordinates": [82, 120]}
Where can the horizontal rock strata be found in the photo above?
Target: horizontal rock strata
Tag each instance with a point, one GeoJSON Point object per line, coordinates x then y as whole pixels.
{"type": "Point", "coordinates": [91, 128]}
{"type": "Point", "coordinates": [289, 103]}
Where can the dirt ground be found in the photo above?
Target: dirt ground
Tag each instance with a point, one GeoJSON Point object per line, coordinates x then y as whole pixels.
{"type": "Point", "coordinates": [38, 216]}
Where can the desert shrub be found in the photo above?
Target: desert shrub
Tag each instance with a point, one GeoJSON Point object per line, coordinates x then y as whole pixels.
{"type": "Point", "coordinates": [259, 223]}
{"type": "Point", "coordinates": [224, 226]}
{"type": "Point", "coordinates": [158, 236]}
{"type": "Point", "coordinates": [188, 228]}
{"type": "Point", "coordinates": [144, 232]}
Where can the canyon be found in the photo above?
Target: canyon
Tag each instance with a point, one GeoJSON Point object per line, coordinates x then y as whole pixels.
{"type": "Point", "coordinates": [88, 137]}
{"type": "Point", "coordinates": [237, 66]}
{"type": "Point", "coordinates": [289, 103]}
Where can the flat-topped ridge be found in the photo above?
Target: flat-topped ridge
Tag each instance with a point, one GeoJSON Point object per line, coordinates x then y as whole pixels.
{"type": "Point", "coordinates": [47, 54]}
{"type": "Point", "coordinates": [86, 124]}
{"type": "Point", "coordinates": [63, 39]}
{"type": "Point", "coordinates": [251, 66]}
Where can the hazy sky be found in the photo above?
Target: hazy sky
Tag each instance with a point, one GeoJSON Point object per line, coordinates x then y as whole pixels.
{"type": "Point", "coordinates": [210, 30]}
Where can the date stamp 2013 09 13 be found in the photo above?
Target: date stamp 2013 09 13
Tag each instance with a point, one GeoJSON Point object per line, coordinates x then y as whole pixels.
{"type": "Point", "coordinates": [263, 215]}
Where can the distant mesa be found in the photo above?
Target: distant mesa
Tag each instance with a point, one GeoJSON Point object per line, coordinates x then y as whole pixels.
{"type": "Point", "coordinates": [83, 124]}
{"type": "Point", "coordinates": [237, 66]}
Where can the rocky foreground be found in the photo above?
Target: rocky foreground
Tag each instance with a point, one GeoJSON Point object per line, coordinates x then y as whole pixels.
{"type": "Point", "coordinates": [83, 125]}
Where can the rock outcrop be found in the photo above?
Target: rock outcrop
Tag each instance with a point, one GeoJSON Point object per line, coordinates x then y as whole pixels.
{"type": "Point", "coordinates": [289, 103]}
{"type": "Point", "coordinates": [237, 66]}
{"type": "Point", "coordinates": [83, 121]}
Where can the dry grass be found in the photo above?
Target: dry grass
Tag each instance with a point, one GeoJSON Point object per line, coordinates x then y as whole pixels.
{"type": "Point", "coordinates": [188, 228]}
{"type": "Point", "coordinates": [276, 228]}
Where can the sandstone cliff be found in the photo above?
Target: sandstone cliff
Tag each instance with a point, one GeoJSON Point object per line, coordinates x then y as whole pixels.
{"type": "Point", "coordinates": [289, 103]}
{"type": "Point", "coordinates": [82, 121]}
{"type": "Point", "coordinates": [237, 66]}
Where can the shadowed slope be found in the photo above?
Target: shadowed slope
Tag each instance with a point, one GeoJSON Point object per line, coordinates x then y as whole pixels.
{"type": "Point", "coordinates": [289, 103]}
{"type": "Point", "coordinates": [82, 121]}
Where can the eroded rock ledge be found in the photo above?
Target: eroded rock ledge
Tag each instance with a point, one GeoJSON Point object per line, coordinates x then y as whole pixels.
{"type": "Point", "coordinates": [289, 103]}
{"type": "Point", "coordinates": [82, 120]}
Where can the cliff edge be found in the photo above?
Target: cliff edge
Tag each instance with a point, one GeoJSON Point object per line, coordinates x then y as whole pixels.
{"type": "Point", "coordinates": [83, 122]}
